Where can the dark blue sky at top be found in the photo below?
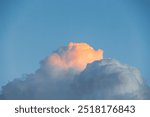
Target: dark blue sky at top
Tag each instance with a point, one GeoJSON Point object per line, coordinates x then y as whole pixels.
{"type": "Point", "coordinates": [31, 29]}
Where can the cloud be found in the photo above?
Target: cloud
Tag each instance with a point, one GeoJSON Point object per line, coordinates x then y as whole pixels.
{"type": "Point", "coordinates": [109, 79]}
{"type": "Point", "coordinates": [73, 57]}
{"type": "Point", "coordinates": [77, 71]}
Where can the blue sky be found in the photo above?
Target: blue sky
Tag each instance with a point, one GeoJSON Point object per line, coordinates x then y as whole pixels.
{"type": "Point", "coordinates": [31, 29]}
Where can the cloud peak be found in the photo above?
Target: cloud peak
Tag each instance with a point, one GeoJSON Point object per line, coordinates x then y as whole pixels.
{"type": "Point", "coordinates": [74, 57]}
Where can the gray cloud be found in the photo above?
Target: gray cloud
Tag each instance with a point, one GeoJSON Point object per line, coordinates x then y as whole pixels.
{"type": "Point", "coordinates": [109, 79]}
{"type": "Point", "coordinates": [64, 75]}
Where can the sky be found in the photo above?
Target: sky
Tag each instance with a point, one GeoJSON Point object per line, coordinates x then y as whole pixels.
{"type": "Point", "coordinates": [32, 29]}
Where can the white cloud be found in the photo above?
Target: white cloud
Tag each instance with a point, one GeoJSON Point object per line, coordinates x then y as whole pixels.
{"type": "Point", "coordinates": [65, 75]}
{"type": "Point", "coordinates": [109, 79]}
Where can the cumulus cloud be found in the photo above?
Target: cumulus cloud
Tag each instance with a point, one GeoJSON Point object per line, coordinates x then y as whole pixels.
{"type": "Point", "coordinates": [109, 79]}
{"type": "Point", "coordinates": [78, 71]}
{"type": "Point", "coordinates": [73, 57]}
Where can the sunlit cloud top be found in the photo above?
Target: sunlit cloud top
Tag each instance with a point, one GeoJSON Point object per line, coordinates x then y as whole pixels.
{"type": "Point", "coordinates": [74, 56]}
